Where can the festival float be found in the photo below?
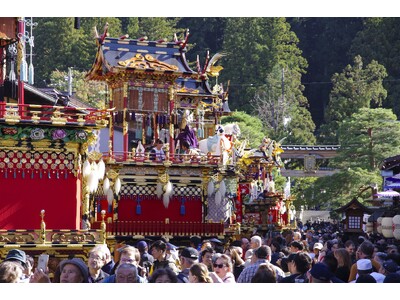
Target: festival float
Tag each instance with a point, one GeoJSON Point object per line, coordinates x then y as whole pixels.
{"type": "Point", "coordinates": [88, 174]}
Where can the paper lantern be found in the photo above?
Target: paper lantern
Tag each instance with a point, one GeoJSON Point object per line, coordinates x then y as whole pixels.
{"type": "Point", "coordinates": [370, 227]}
{"type": "Point", "coordinates": [379, 225]}
{"type": "Point", "coordinates": [387, 227]}
{"type": "Point", "coordinates": [396, 227]}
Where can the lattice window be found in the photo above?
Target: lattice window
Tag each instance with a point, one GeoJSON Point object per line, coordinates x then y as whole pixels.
{"type": "Point", "coordinates": [354, 222]}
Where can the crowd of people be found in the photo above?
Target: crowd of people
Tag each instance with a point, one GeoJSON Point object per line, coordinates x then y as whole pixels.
{"type": "Point", "coordinates": [310, 254]}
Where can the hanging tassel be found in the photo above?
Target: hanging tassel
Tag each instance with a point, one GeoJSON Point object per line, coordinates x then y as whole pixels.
{"type": "Point", "coordinates": [57, 175]}
{"type": "Point", "coordinates": [117, 185]}
{"type": "Point", "coordinates": [159, 190]}
{"type": "Point", "coordinates": [48, 175]}
{"type": "Point", "coordinates": [15, 174]}
{"type": "Point", "coordinates": [106, 185]}
{"type": "Point", "coordinates": [32, 174]}
{"type": "Point", "coordinates": [210, 188]}
{"type": "Point", "coordinates": [23, 174]}
{"type": "Point", "coordinates": [66, 175]}
{"type": "Point", "coordinates": [168, 193]}
{"type": "Point", "coordinates": [138, 207]}
{"type": "Point", "coordinates": [183, 208]}
{"type": "Point", "coordinates": [5, 174]}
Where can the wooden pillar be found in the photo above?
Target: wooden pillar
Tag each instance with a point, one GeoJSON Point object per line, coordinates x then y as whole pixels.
{"type": "Point", "coordinates": [111, 128]}
{"type": "Point", "coordinates": [125, 122]}
{"type": "Point", "coordinates": [171, 98]}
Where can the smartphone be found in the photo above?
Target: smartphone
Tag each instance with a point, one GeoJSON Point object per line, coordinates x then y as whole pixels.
{"type": "Point", "coordinates": [43, 260]}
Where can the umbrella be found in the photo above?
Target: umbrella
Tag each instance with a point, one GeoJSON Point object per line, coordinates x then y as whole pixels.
{"type": "Point", "coordinates": [388, 193]}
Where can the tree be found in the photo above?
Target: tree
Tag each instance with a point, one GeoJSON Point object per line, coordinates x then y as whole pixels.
{"type": "Point", "coordinates": [356, 87]}
{"type": "Point", "coordinates": [281, 106]}
{"type": "Point", "coordinates": [255, 47]}
{"type": "Point", "coordinates": [333, 191]}
{"type": "Point", "coordinates": [367, 138]}
{"type": "Point", "coordinates": [59, 46]}
{"type": "Point", "coordinates": [251, 127]}
{"type": "Point", "coordinates": [90, 92]}
{"type": "Point", "coordinates": [325, 43]}
{"type": "Point", "coordinates": [380, 40]}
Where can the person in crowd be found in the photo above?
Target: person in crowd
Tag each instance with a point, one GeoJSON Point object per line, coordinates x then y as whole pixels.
{"type": "Point", "coordinates": [276, 251]}
{"type": "Point", "coordinates": [364, 251]}
{"type": "Point", "coordinates": [245, 244]}
{"type": "Point", "coordinates": [96, 260]}
{"type": "Point", "coordinates": [198, 273]}
{"type": "Point", "coordinates": [72, 270]}
{"type": "Point", "coordinates": [17, 256]}
{"type": "Point", "coordinates": [296, 247]}
{"type": "Point", "coordinates": [235, 253]}
{"type": "Point", "coordinates": [223, 268]}
{"type": "Point", "coordinates": [195, 242]}
{"type": "Point", "coordinates": [146, 259]}
{"type": "Point", "coordinates": [10, 272]}
{"type": "Point", "coordinates": [187, 153]}
{"type": "Point", "coordinates": [332, 263]}
{"type": "Point", "coordinates": [264, 274]}
{"type": "Point", "coordinates": [188, 257]}
{"type": "Point", "coordinates": [299, 264]}
{"type": "Point", "coordinates": [343, 264]}
{"type": "Point", "coordinates": [389, 266]}
{"type": "Point", "coordinates": [262, 255]}
{"type": "Point", "coordinates": [28, 271]}
{"type": "Point", "coordinates": [109, 264]}
{"type": "Point", "coordinates": [163, 275]}
{"type": "Point", "coordinates": [157, 153]}
{"type": "Point", "coordinates": [129, 255]}
{"type": "Point", "coordinates": [380, 257]}
{"type": "Point", "coordinates": [159, 251]}
{"type": "Point", "coordinates": [206, 258]}
{"type": "Point", "coordinates": [364, 266]}
{"type": "Point", "coordinates": [365, 278]}
{"type": "Point", "coordinates": [320, 273]}
{"type": "Point", "coordinates": [126, 273]}
{"type": "Point", "coordinates": [392, 278]}
{"type": "Point", "coordinates": [351, 249]}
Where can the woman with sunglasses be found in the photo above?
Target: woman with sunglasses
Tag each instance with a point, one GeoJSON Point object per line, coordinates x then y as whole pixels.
{"type": "Point", "coordinates": [223, 269]}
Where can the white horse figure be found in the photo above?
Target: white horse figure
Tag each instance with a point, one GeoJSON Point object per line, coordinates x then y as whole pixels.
{"type": "Point", "coordinates": [232, 129]}
{"type": "Point", "coordinates": [216, 144]}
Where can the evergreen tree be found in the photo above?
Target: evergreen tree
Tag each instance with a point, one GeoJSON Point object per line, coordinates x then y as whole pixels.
{"type": "Point", "coordinates": [356, 87]}
{"type": "Point", "coordinates": [380, 41]}
{"type": "Point", "coordinates": [367, 138]}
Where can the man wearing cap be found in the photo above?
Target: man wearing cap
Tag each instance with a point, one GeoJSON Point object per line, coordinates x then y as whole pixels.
{"type": "Point", "coordinates": [389, 266]}
{"type": "Point", "coordinates": [320, 273]}
{"type": "Point", "coordinates": [364, 251]}
{"type": "Point", "coordinates": [189, 256]}
{"type": "Point", "coordinates": [263, 256]}
{"type": "Point", "coordinates": [364, 266]}
{"type": "Point", "coordinates": [19, 257]}
{"type": "Point", "coordinates": [146, 259]}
